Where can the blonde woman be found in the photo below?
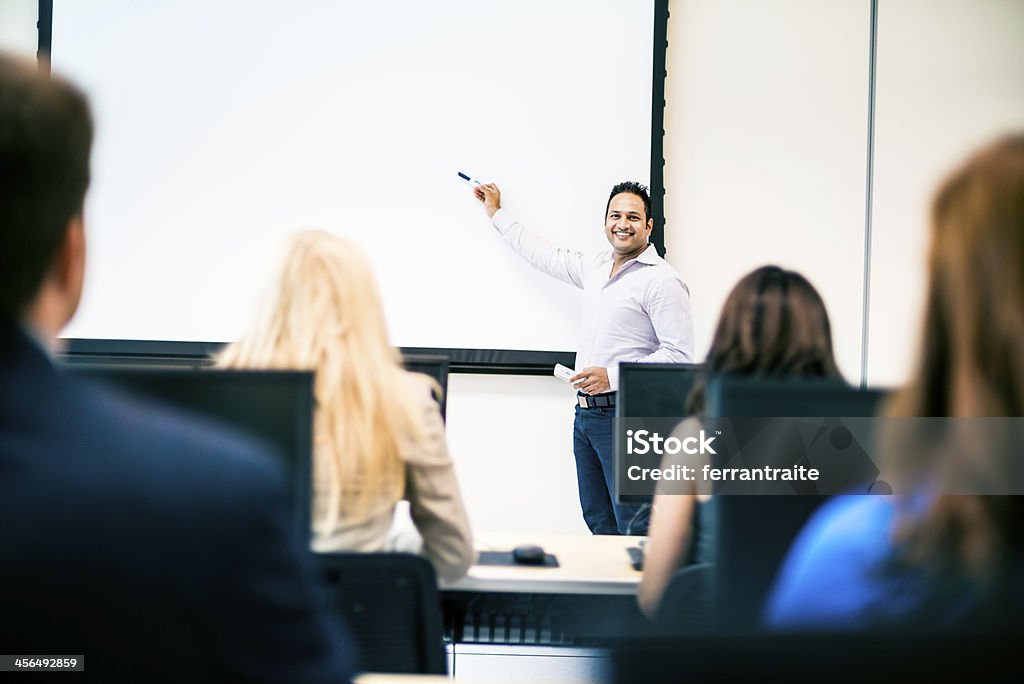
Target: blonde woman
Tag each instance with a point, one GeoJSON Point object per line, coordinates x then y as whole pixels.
{"type": "Point", "coordinates": [378, 434]}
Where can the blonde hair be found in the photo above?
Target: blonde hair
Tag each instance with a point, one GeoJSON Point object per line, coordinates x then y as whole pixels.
{"type": "Point", "coordinates": [325, 315]}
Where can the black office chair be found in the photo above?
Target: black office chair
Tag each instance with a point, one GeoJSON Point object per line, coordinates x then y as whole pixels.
{"type": "Point", "coordinates": [392, 606]}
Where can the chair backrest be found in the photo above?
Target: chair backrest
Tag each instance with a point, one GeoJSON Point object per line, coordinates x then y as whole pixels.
{"type": "Point", "coordinates": [687, 606]}
{"type": "Point", "coordinates": [392, 606]}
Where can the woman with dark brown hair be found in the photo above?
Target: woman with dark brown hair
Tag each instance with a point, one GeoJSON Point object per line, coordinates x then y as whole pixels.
{"type": "Point", "coordinates": [933, 557]}
{"type": "Point", "coordinates": [773, 325]}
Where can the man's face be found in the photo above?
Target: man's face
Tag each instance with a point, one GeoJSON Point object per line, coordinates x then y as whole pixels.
{"type": "Point", "coordinates": [626, 226]}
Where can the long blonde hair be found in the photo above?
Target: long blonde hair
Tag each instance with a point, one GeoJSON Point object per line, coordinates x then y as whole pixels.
{"type": "Point", "coordinates": [325, 314]}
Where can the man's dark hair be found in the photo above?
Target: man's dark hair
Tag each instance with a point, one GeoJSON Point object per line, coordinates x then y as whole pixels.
{"type": "Point", "coordinates": [633, 188]}
{"type": "Point", "coordinates": [46, 135]}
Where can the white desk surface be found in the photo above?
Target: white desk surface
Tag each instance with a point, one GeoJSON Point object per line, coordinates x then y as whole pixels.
{"type": "Point", "coordinates": [588, 564]}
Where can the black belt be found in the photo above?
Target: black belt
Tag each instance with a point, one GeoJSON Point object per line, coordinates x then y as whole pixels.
{"type": "Point", "coordinates": [596, 401]}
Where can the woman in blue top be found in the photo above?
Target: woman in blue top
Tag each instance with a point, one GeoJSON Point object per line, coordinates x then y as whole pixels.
{"type": "Point", "coordinates": [934, 559]}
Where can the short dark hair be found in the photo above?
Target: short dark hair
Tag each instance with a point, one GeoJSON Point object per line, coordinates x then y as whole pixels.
{"type": "Point", "coordinates": [46, 135]}
{"type": "Point", "coordinates": [633, 188]}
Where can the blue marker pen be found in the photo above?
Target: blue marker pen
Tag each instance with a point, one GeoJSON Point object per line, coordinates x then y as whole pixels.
{"type": "Point", "coordinates": [468, 179]}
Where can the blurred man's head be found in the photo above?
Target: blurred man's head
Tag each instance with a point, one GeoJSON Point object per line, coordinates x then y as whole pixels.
{"type": "Point", "coordinates": [45, 138]}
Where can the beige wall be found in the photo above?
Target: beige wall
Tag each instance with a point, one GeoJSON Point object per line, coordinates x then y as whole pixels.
{"type": "Point", "coordinates": [766, 147]}
{"type": "Point", "coordinates": [950, 78]}
{"type": "Point", "coordinates": [18, 26]}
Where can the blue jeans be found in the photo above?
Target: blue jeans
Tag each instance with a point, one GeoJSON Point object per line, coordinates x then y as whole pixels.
{"type": "Point", "coordinates": [595, 462]}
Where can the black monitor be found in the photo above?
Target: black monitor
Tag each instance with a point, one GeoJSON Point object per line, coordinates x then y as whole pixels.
{"type": "Point", "coordinates": [649, 390]}
{"type": "Point", "coordinates": [753, 532]}
{"type": "Point", "coordinates": [751, 397]}
{"type": "Point", "coordinates": [274, 407]}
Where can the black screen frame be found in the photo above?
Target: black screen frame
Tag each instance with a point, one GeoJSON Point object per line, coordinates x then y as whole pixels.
{"type": "Point", "coordinates": [195, 355]}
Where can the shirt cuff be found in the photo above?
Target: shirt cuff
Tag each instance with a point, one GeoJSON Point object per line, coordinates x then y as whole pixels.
{"type": "Point", "coordinates": [613, 376]}
{"type": "Point", "coordinates": [502, 221]}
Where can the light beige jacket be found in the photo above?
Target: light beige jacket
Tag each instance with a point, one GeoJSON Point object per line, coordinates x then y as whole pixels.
{"type": "Point", "coordinates": [435, 503]}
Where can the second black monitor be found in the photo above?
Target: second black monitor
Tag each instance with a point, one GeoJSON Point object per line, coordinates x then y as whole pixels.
{"type": "Point", "coordinates": [650, 390]}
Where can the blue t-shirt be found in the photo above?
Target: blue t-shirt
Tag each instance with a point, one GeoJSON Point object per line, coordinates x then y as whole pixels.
{"type": "Point", "coordinates": [835, 574]}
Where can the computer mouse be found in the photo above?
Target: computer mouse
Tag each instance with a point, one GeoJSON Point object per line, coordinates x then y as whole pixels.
{"type": "Point", "coordinates": [528, 554]}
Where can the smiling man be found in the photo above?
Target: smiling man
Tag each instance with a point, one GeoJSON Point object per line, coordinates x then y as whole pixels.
{"type": "Point", "coordinates": [635, 308]}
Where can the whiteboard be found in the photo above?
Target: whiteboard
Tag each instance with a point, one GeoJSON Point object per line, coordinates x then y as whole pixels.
{"type": "Point", "coordinates": [224, 127]}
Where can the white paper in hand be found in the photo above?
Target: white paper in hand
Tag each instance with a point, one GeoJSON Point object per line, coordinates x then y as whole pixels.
{"type": "Point", "coordinates": [564, 372]}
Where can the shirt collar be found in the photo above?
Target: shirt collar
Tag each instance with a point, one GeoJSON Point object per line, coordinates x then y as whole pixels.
{"type": "Point", "coordinates": [649, 256]}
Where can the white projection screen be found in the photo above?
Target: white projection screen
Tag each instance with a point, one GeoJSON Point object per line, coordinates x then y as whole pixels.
{"type": "Point", "coordinates": [222, 127]}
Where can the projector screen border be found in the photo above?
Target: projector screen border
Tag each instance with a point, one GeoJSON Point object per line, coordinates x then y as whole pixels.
{"type": "Point", "coordinates": [498, 361]}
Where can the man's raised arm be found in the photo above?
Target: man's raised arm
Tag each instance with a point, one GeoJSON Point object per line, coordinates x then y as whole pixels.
{"type": "Point", "coordinates": [558, 262]}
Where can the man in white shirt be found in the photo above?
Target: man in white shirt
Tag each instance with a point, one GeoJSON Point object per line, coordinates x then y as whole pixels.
{"type": "Point", "coordinates": [635, 308]}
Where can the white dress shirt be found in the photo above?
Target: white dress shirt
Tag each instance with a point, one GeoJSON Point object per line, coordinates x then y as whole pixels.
{"type": "Point", "coordinates": [641, 314]}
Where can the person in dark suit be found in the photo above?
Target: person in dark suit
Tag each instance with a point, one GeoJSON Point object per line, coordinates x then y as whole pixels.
{"type": "Point", "coordinates": [157, 547]}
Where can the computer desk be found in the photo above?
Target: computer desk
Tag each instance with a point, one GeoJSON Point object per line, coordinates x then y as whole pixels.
{"type": "Point", "coordinates": [588, 564]}
{"type": "Point", "coordinates": [533, 623]}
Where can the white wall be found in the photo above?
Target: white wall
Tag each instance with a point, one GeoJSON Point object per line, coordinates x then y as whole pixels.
{"type": "Point", "coordinates": [950, 78]}
{"type": "Point", "coordinates": [511, 440]}
{"type": "Point", "coordinates": [766, 142]}
{"type": "Point", "coordinates": [18, 26]}
{"type": "Point", "coordinates": [766, 149]}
